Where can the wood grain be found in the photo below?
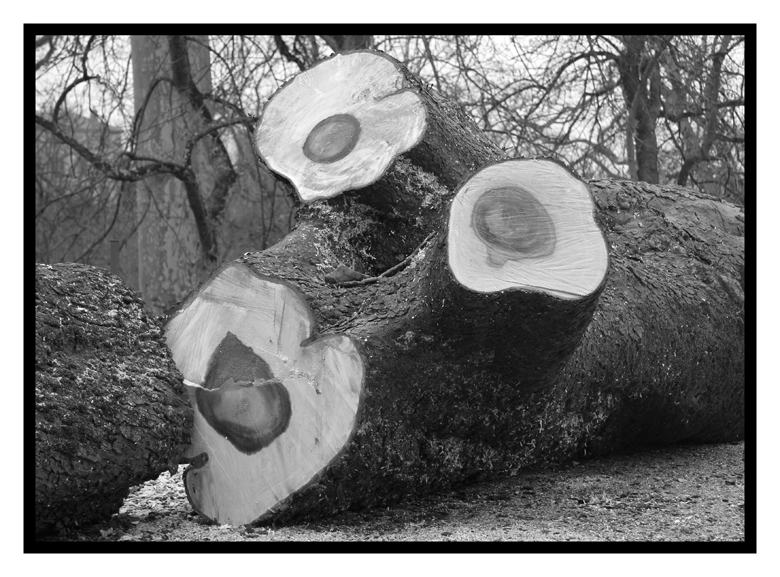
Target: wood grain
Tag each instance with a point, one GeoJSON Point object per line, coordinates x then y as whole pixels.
{"type": "Point", "coordinates": [281, 441]}
{"type": "Point", "coordinates": [526, 224]}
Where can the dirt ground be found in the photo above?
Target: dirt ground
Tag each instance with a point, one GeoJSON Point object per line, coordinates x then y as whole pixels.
{"type": "Point", "coordinates": [680, 493]}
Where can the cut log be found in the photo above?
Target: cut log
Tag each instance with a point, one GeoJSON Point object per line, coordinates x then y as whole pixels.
{"type": "Point", "coordinates": [473, 358]}
{"type": "Point", "coordinates": [521, 243]}
{"type": "Point", "coordinates": [454, 389]}
{"type": "Point", "coordinates": [339, 125]}
{"type": "Point", "coordinates": [110, 407]}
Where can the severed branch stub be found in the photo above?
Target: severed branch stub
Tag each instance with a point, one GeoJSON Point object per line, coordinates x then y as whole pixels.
{"type": "Point", "coordinates": [342, 124]}
{"type": "Point", "coordinates": [338, 125]}
{"type": "Point", "coordinates": [526, 224]}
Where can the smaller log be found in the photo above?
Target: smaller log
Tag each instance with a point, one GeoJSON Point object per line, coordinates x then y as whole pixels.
{"type": "Point", "coordinates": [339, 124]}
{"type": "Point", "coordinates": [522, 267]}
{"type": "Point", "coordinates": [342, 123]}
{"type": "Point", "coordinates": [110, 407]}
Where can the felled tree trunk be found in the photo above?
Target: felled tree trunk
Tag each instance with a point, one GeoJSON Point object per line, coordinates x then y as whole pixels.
{"type": "Point", "coordinates": [110, 407]}
{"type": "Point", "coordinates": [408, 336]}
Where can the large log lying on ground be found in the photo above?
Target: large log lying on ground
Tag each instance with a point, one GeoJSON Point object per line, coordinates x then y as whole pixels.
{"type": "Point", "coordinates": [110, 406]}
{"type": "Point", "coordinates": [408, 336]}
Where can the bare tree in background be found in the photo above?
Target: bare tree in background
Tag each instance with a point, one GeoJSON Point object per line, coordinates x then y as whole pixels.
{"type": "Point", "coordinates": [78, 206]}
{"type": "Point", "coordinates": [180, 112]}
{"type": "Point", "coordinates": [654, 108]}
{"type": "Point", "coordinates": [704, 108]}
{"type": "Point", "coordinates": [200, 194]}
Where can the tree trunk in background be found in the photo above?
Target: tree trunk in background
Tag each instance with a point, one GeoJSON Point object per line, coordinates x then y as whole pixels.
{"type": "Point", "coordinates": [641, 91]}
{"type": "Point", "coordinates": [110, 408]}
{"type": "Point", "coordinates": [172, 254]}
{"type": "Point", "coordinates": [404, 338]}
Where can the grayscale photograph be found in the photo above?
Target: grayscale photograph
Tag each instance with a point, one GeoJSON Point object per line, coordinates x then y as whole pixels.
{"type": "Point", "coordinates": [381, 289]}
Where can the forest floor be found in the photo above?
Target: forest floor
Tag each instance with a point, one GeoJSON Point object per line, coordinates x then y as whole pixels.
{"type": "Point", "coordinates": [671, 493]}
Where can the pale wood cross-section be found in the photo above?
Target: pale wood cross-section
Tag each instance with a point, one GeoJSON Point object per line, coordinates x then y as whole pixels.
{"type": "Point", "coordinates": [272, 407]}
{"type": "Point", "coordinates": [338, 125]}
{"type": "Point", "coordinates": [526, 224]}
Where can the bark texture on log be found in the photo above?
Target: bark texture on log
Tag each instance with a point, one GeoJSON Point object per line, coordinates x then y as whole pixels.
{"type": "Point", "coordinates": [110, 407]}
{"type": "Point", "coordinates": [460, 384]}
{"type": "Point", "coordinates": [443, 402]}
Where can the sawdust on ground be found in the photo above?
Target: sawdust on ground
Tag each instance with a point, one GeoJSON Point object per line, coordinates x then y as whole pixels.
{"type": "Point", "coordinates": [671, 493]}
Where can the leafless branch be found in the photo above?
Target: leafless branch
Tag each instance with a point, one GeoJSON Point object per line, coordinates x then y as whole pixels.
{"type": "Point", "coordinates": [284, 50]}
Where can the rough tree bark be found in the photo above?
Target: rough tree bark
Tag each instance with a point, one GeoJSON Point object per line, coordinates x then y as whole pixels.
{"type": "Point", "coordinates": [110, 407]}
{"type": "Point", "coordinates": [360, 360]}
